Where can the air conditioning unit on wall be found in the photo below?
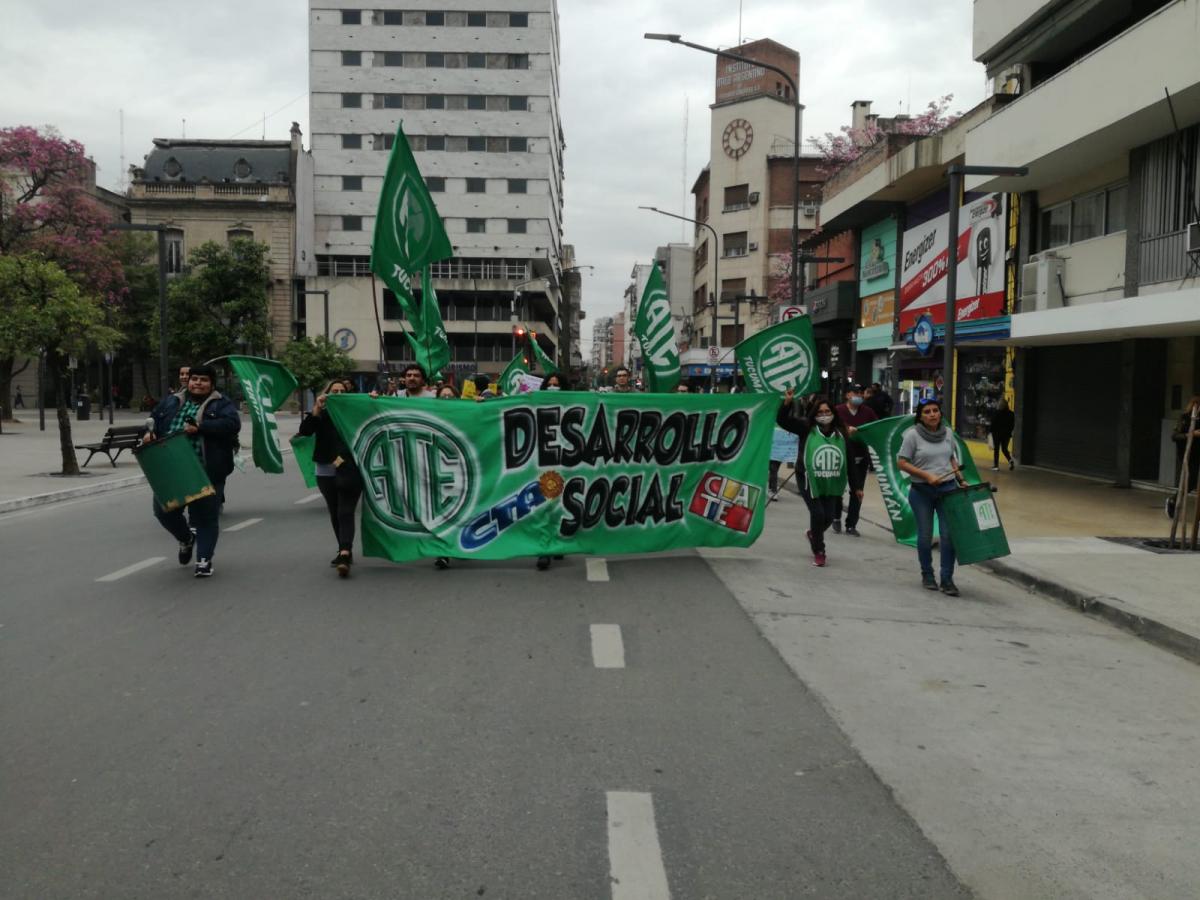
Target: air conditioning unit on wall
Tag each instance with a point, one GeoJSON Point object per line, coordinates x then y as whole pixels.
{"type": "Point", "coordinates": [808, 210]}
{"type": "Point", "coordinates": [1041, 282]}
{"type": "Point", "coordinates": [1193, 237]}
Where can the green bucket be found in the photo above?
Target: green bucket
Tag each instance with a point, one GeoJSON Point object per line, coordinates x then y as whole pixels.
{"type": "Point", "coordinates": [975, 526]}
{"type": "Point", "coordinates": [302, 451]}
{"type": "Point", "coordinates": [174, 471]}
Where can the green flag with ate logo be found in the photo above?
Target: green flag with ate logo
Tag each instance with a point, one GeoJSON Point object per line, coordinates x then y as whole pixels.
{"type": "Point", "coordinates": [266, 385]}
{"type": "Point", "coordinates": [510, 378]}
{"type": "Point", "coordinates": [408, 230]}
{"type": "Point", "coordinates": [546, 473]}
{"type": "Point", "coordinates": [545, 363]}
{"type": "Point", "coordinates": [780, 357]}
{"type": "Point", "coordinates": [655, 330]}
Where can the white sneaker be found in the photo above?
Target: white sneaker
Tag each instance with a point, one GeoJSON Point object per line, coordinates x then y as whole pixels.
{"type": "Point", "coordinates": [204, 568]}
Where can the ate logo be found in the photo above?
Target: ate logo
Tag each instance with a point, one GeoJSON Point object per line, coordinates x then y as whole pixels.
{"type": "Point", "coordinates": [786, 363]}
{"type": "Point", "coordinates": [414, 221]}
{"type": "Point", "coordinates": [827, 461]}
{"type": "Point", "coordinates": [260, 390]}
{"type": "Point", "coordinates": [659, 344]}
{"type": "Point", "coordinates": [419, 475]}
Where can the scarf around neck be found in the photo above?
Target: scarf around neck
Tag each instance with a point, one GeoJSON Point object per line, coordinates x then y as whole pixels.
{"type": "Point", "coordinates": [932, 437]}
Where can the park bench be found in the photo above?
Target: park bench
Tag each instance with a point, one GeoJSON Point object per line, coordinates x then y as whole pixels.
{"type": "Point", "coordinates": [125, 437]}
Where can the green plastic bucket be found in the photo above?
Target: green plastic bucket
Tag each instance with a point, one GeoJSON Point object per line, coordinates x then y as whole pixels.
{"type": "Point", "coordinates": [302, 451]}
{"type": "Point", "coordinates": [975, 526]}
{"type": "Point", "coordinates": [174, 471]}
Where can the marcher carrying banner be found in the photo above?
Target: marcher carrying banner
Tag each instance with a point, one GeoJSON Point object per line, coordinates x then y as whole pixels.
{"type": "Point", "coordinates": [780, 357]}
{"type": "Point", "coordinates": [655, 330]}
{"type": "Point", "coordinates": [266, 385]}
{"type": "Point", "coordinates": [554, 473]}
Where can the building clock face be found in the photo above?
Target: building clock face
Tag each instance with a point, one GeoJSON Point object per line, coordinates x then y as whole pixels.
{"type": "Point", "coordinates": [738, 137]}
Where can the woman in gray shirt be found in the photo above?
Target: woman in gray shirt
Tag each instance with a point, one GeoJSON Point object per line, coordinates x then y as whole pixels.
{"type": "Point", "coordinates": [929, 455]}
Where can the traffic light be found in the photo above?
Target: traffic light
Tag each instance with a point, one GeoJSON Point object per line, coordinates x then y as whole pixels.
{"type": "Point", "coordinates": [519, 332]}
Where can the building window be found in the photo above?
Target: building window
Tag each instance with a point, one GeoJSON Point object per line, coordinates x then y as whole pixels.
{"type": "Point", "coordinates": [518, 104]}
{"type": "Point", "coordinates": [476, 61]}
{"type": "Point", "coordinates": [435, 18]}
{"type": "Point", "coordinates": [1114, 213]}
{"type": "Point", "coordinates": [435, 101]}
{"type": "Point", "coordinates": [476, 20]}
{"type": "Point", "coordinates": [475, 101]}
{"type": "Point", "coordinates": [436, 184]}
{"type": "Point", "coordinates": [351, 16]}
{"type": "Point", "coordinates": [351, 141]}
{"type": "Point", "coordinates": [476, 226]}
{"type": "Point", "coordinates": [497, 145]}
{"type": "Point", "coordinates": [516, 226]}
{"type": "Point", "coordinates": [1056, 226]}
{"type": "Point", "coordinates": [734, 244]}
{"type": "Point", "coordinates": [476, 185]}
{"type": "Point", "coordinates": [435, 142]}
{"type": "Point", "coordinates": [238, 234]}
{"type": "Point", "coordinates": [385, 142]}
{"type": "Point", "coordinates": [174, 243]}
{"type": "Point", "coordinates": [435, 60]}
{"type": "Point", "coordinates": [392, 58]}
{"type": "Point", "coordinates": [241, 169]}
{"type": "Point", "coordinates": [392, 101]}
{"type": "Point", "coordinates": [518, 60]}
{"type": "Point", "coordinates": [476, 144]}
{"type": "Point", "coordinates": [1087, 217]}
{"type": "Point", "coordinates": [737, 197]}
{"type": "Point", "coordinates": [518, 145]}
{"type": "Point", "coordinates": [351, 182]}
{"type": "Point", "coordinates": [518, 20]}
{"type": "Point", "coordinates": [351, 57]}
{"type": "Point", "coordinates": [517, 186]}
{"type": "Point", "coordinates": [351, 223]}
{"type": "Point", "coordinates": [732, 287]}
{"type": "Point", "coordinates": [393, 17]}
{"type": "Point", "coordinates": [351, 101]}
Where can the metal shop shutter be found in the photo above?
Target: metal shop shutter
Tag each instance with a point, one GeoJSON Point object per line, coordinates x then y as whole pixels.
{"type": "Point", "coordinates": [1075, 394]}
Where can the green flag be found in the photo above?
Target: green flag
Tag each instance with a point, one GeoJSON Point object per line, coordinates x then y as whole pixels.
{"type": "Point", "coordinates": [545, 363]}
{"type": "Point", "coordinates": [655, 330]}
{"type": "Point", "coordinates": [430, 331]}
{"type": "Point", "coordinates": [558, 472]}
{"type": "Point", "coordinates": [883, 439]}
{"type": "Point", "coordinates": [780, 357]}
{"type": "Point", "coordinates": [510, 378]}
{"type": "Point", "coordinates": [408, 230]}
{"type": "Point", "coordinates": [266, 385]}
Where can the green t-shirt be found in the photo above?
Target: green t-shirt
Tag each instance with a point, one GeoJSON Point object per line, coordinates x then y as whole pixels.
{"type": "Point", "coordinates": [825, 464]}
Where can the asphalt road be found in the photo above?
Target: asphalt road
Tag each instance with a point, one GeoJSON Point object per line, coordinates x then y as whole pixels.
{"type": "Point", "coordinates": [274, 732]}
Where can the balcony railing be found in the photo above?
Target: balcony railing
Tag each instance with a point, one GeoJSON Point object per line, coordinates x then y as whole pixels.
{"type": "Point", "coordinates": [486, 271]}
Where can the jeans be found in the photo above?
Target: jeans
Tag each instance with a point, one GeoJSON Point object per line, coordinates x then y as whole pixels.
{"type": "Point", "coordinates": [1000, 445]}
{"type": "Point", "coordinates": [925, 500]}
{"type": "Point", "coordinates": [342, 492]}
{"type": "Point", "coordinates": [821, 513]}
{"type": "Point", "coordinates": [204, 515]}
{"type": "Point", "coordinates": [773, 475]}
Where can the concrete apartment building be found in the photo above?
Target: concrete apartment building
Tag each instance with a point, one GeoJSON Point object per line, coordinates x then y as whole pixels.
{"type": "Point", "coordinates": [745, 195]}
{"type": "Point", "coordinates": [601, 354]}
{"type": "Point", "coordinates": [477, 90]}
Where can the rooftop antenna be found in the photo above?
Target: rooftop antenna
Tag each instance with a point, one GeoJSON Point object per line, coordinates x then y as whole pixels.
{"type": "Point", "coordinates": [264, 137]}
{"type": "Point", "coordinates": [739, 43]}
{"type": "Point", "coordinates": [185, 129]}
{"type": "Point", "coordinates": [683, 176]}
{"type": "Point", "coordinates": [121, 184]}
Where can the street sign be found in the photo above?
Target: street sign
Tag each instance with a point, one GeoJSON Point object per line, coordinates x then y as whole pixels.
{"type": "Point", "coordinates": [72, 362]}
{"type": "Point", "coordinates": [791, 312]}
{"type": "Point", "coordinates": [714, 354]}
{"type": "Point", "coordinates": [922, 335]}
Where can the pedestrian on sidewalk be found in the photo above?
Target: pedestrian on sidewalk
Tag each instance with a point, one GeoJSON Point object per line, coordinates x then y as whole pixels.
{"type": "Point", "coordinates": [929, 455]}
{"type": "Point", "coordinates": [854, 413]}
{"type": "Point", "coordinates": [822, 464]}
{"type": "Point", "coordinates": [212, 423]}
{"type": "Point", "coordinates": [1001, 430]}
{"type": "Point", "coordinates": [18, 401]}
{"type": "Point", "coordinates": [338, 478]}
{"type": "Point", "coordinates": [878, 400]}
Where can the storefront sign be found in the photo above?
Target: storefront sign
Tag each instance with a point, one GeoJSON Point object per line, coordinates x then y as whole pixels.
{"type": "Point", "coordinates": [878, 309]}
{"type": "Point", "coordinates": [981, 270]}
{"type": "Point", "coordinates": [877, 257]}
{"type": "Point", "coordinates": [923, 335]}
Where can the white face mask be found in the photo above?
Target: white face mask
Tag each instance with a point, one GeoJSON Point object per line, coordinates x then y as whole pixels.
{"type": "Point", "coordinates": [553, 387]}
{"type": "Point", "coordinates": [824, 420]}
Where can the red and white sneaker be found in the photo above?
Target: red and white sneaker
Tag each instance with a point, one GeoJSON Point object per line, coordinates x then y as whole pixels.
{"type": "Point", "coordinates": [819, 560]}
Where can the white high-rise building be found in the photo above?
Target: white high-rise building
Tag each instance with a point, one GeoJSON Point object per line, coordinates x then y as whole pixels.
{"type": "Point", "coordinates": [477, 90]}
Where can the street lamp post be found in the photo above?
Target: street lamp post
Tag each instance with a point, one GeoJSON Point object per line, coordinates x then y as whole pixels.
{"type": "Point", "coordinates": [796, 108]}
{"type": "Point", "coordinates": [956, 173]}
{"type": "Point", "coordinates": [716, 280]}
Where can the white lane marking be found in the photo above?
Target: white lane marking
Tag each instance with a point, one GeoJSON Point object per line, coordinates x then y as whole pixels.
{"type": "Point", "coordinates": [608, 650]}
{"type": "Point", "coordinates": [129, 570]}
{"type": "Point", "coordinates": [309, 499]}
{"type": "Point", "coordinates": [635, 861]}
{"type": "Point", "coordinates": [240, 525]}
{"type": "Point", "coordinates": [597, 569]}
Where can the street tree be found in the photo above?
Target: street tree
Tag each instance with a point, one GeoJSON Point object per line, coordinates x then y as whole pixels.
{"type": "Point", "coordinates": [43, 311]}
{"type": "Point", "coordinates": [839, 150]}
{"type": "Point", "coordinates": [220, 304]}
{"type": "Point", "coordinates": [315, 361]}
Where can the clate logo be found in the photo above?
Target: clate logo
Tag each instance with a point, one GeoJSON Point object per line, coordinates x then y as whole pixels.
{"type": "Point", "coordinates": [725, 501]}
{"type": "Point", "coordinates": [419, 474]}
{"type": "Point", "coordinates": [986, 514]}
{"type": "Point", "coordinates": [827, 461]}
{"type": "Point", "coordinates": [786, 363]}
{"type": "Point", "coordinates": [413, 218]}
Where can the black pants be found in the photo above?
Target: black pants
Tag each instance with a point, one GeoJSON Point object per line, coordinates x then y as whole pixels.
{"type": "Point", "coordinates": [342, 492]}
{"type": "Point", "coordinates": [821, 513]}
{"type": "Point", "coordinates": [1000, 445]}
{"type": "Point", "coordinates": [858, 475]}
{"type": "Point", "coordinates": [773, 475]}
{"type": "Point", "coordinates": [204, 515]}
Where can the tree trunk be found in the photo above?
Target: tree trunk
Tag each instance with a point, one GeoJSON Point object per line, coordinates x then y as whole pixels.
{"type": "Point", "coordinates": [70, 463]}
{"type": "Point", "coordinates": [7, 374]}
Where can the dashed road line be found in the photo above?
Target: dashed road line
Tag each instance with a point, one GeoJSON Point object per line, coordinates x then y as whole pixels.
{"type": "Point", "coordinates": [597, 568]}
{"type": "Point", "coordinates": [129, 570]}
{"type": "Point", "coordinates": [240, 525]}
{"type": "Point", "coordinates": [608, 650]}
{"type": "Point", "coordinates": [636, 870]}
{"type": "Point", "coordinates": [309, 499]}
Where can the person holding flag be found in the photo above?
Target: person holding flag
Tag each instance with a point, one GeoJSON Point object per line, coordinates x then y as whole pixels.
{"type": "Point", "coordinates": [338, 478]}
{"type": "Point", "coordinates": [212, 423]}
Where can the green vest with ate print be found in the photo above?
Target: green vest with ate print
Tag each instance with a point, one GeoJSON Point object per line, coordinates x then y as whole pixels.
{"type": "Point", "coordinates": [825, 464]}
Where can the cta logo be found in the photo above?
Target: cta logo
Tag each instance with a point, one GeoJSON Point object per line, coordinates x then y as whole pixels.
{"type": "Point", "coordinates": [419, 474]}
{"type": "Point", "coordinates": [413, 221]}
{"type": "Point", "coordinates": [786, 363]}
{"type": "Point", "coordinates": [725, 501]}
{"type": "Point", "coordinates": [827, 461]}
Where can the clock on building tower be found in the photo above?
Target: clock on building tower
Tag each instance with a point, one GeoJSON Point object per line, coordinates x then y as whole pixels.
{"type": "Point", "coordinates": [738, 137]}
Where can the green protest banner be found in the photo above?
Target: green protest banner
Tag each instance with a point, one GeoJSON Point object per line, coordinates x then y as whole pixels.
{"type": "Point", "coordinates": [266, 385]}
{"type": "Point", "coordinates": [655, 330]}
{"type": "Point", "coordinates": [883, 439]}
{"type": "Point", "coordinates": [302, 450]}
{"type": "Point", "coordinates": [780, 357]}
{"type": "Point", "coordinates": [563, 472]}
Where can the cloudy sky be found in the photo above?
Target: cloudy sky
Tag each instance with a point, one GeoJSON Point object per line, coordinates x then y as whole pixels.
{"type": "Point", "coordinates": [223, 65]}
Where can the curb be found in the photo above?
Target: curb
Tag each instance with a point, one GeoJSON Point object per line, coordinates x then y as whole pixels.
{"type": "Point", "coordinates": [1110, 609]}
{"type": "Point", "coordinates": [87, 490]}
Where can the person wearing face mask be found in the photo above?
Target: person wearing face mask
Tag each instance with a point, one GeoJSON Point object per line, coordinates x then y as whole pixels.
{"type": "Point", "coordinates": [822, 473]}
{"type": "Point", "coordinates": [553, 382]}
{"type": "Point", "coordinates": [338, 477]}
{"type": "Point", "coordinates": [854, 413]}
{"type": "Point", "coordinates": [929, 455]}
